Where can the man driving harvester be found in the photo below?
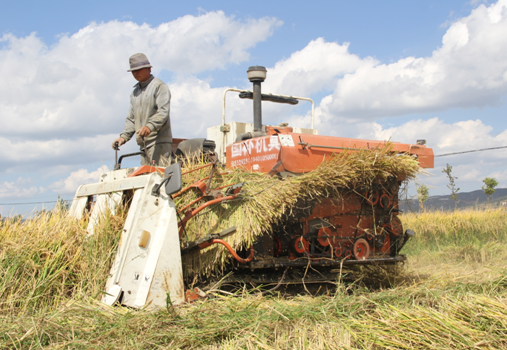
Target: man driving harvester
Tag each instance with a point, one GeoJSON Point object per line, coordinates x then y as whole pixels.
{"type": "Point", "coordinates": [148, 116]}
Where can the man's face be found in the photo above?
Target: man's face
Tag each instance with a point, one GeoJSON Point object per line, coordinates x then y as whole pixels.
{"type": "Point", "coordinates": [141, 75]}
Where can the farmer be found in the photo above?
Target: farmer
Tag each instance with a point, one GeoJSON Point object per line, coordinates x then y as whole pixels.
{"type": "Point", "coordinates": [148, 117]}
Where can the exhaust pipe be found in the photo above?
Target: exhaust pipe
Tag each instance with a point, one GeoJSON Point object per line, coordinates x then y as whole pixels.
{"type": "Point", "coordinates": [257, 74]}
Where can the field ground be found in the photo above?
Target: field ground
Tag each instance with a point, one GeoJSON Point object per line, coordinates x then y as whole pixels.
{"type": "Point", "coordinates": [451, 294]}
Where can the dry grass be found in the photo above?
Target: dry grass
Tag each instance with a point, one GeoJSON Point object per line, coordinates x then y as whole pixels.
{"type": "Point", "coordinates": [420, 316]}
{"type": "Point", "coordinates": [451, 295]}
{"type": "Point", "coordinates": [47, 260]}
{"type": "Point", "coordinates": [462, 242]}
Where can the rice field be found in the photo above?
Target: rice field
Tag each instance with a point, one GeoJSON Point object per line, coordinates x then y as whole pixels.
{"type": "Point", "coordinates": [451, 294]}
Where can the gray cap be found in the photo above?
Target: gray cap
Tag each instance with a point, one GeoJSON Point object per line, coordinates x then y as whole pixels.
{"type": "Point", "coordinates": [138, 61]}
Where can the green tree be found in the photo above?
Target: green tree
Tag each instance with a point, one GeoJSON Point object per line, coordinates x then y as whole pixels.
{"type": "Point", "coordinates": [489, 187]}
{"type": "Point", "coordinates": [452, 185]}
{"type": "Point", "coordinates": [61, 204]}
{"type": "Point", "coordinates": [423, 192]}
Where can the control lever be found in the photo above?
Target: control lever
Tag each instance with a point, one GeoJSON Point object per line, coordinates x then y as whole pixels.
{"type": "Point", "coordinates": [116, 149]}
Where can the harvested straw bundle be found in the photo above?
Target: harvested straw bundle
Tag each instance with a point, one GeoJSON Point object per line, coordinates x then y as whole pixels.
{"type": "Point", "coordinates": [266, 200]}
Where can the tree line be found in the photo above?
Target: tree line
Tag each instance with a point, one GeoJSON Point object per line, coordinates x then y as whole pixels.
{"type": "Point", "coordinates": [423, 191]}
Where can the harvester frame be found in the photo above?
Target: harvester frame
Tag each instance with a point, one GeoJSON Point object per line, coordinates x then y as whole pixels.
{"type": "Point", "coordinates": [357, 228]}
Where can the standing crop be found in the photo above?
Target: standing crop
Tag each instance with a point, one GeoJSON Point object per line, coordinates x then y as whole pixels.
{"type": "Point", "coordinates": [423, 192]}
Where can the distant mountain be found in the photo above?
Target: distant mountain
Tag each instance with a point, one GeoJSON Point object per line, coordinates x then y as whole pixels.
{"type": "Point", "coordinates": [465, 200]}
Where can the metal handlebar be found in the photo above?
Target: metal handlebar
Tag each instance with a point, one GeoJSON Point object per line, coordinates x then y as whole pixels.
{"type": "Point", "coordinates": [117, 166]}
{"type": "Point", "coordinates": [116, 149]}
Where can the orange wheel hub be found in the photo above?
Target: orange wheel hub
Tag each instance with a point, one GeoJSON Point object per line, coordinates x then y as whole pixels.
{"type": "Point", "coordinates": [324, 234]}
{"type": "Point", "coordinates": [372, 197]}
{"type": "Point", "coordinates": [301, 245]}
{"type": "Point", "coordinates": [361, 249]}
{"type": "Point", "coordinates": [338, 252]}
{"type": "Point", "coordinates": [385, 201]}
{"type": "Point", "coordinates": [396, 227]}
{"type": "Point", "coordinates": [277, 246]}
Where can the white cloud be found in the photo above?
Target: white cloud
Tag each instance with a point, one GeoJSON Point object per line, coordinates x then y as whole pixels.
{"type": "Point", "coordinates": [468, 70]}
{"type": "Point", "coordinates": [443, 138]}
{"type": "Point", "coordinates": [38, 154]}
{"type": "Point", "coordinates": [79, 86]}
{"type": "Point", "coordinates": [65, 104]}
{"type": "Point", "coordinates": [196, 107]}
{"type": "Point", "coordinates": [76, 179]}
{"type": "Point", "coordinates": [21, 188]}
{"type": "Point", "coordinates": [501, 177]}
{"type": "Point", "coordinates": [314, 68]}
{"type": "Point", "coordinates": [304, 73]}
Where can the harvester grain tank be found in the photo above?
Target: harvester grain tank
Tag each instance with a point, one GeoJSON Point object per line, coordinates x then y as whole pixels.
{"type": "Point", "coordinates": [354, 226]}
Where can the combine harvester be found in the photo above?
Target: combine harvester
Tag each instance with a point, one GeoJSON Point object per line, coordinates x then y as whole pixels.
{"type": "Point", "coordinates": [324, 233]}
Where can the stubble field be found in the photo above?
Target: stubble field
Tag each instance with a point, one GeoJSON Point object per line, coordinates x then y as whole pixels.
{"type": "Point", "coordinates": [451, 294]}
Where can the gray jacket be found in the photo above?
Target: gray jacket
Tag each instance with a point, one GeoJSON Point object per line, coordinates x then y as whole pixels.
{"type": "Point", "coordinates": [149, 106]}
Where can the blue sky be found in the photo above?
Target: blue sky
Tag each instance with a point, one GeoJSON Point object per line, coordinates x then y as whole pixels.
{"type": "Point", "coordinates": [380, 70]}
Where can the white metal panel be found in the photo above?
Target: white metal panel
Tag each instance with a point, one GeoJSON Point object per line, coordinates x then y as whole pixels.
{"type": "Point", "coordinates": [138, 272]}
{"type": "Point", "coordinates": [126, 237]}
{"type": "Point", "coordinates": [143, 276]}
{"type": "Point", "coordinates": [222, 139]}
{"type": "Point", "coordinates": [80, 199]}
{"type": "Point", "coordinates": [168, 276]}
{"type": "Point", "coordinates": [116, 174]}
{"type": "Point", "coordinates": [113, 186]}
{"type": "Point", "coordinates": [112, 295]}
{"type": "Point", "coordinates": [77, 208]}
{"type": "Point", "coordinates": [104, 202]}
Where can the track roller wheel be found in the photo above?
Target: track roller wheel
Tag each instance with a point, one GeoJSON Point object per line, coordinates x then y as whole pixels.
{"type": "Point", "coordinates": [386, 247]}
{"type": "Point", "coordinates": [396, 226]}
{"type": "Point", "coordinates": [385, 201]}
{"type": "Point", "coordinates": [300, 246]}
{"type": "Point", "coordinates": [347, 254]}
{"type": "Point", "coordinates": [361, 249]}
{"type": "Point", "coordinates": [277, 246]}
{"type": "Point", "coordinates": [338, 252]}
{"type": "Point", "coordinates": [372, 197]}
{"type": "Point", "coordinates": [324, 234]}
{"type": "Point", "coordinates": [379, 240]}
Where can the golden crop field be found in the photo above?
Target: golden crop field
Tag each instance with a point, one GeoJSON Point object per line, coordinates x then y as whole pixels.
{"type": "Point", "coordinates": [451, 294]}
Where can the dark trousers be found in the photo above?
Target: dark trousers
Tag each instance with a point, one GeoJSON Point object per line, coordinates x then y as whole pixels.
{"type": "Point", "coordinates": [160, 153]}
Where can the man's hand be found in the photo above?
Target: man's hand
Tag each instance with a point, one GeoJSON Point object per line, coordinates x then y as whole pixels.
{"type": "Point", "coordinates": [120, 141]}
{"type": "Point", "coordinates": [144, 131]}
